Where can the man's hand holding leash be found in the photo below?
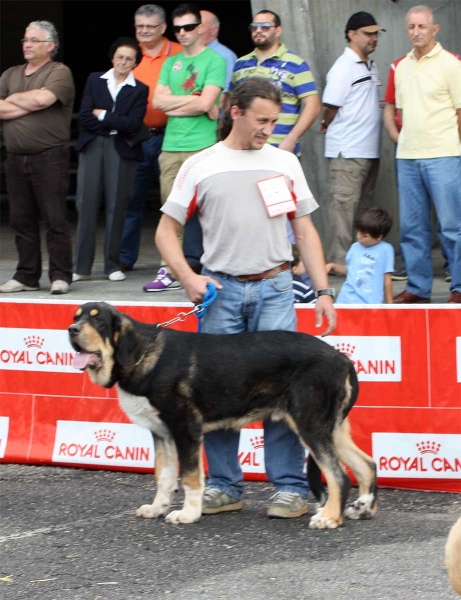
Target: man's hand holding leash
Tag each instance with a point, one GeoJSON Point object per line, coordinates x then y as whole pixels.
{"type": "Point", "coordinates": [195, 286]}
{"type": "Point", "coordinates": [166, 239]}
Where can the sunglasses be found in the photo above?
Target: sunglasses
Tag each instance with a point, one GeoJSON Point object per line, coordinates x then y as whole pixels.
{"type": "Point", "coordinates": [262, 26]}
{"type": "Point", "coordinates": [188, 27]}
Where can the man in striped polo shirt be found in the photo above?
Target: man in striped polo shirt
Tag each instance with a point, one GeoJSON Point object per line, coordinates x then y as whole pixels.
{"type": "Point", "coordinates": [272, 60]}
{"type": "Point", "coordinates": [291, 75]}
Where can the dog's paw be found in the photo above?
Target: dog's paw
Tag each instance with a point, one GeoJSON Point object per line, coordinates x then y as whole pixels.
{"type": "Point", "coordinates": [320, 522]}
{"type": "Point", "coordinates": [363, 508]}
{"type": "Point", "coordinates": [182, 516]}
{"type": "Point", "coordinates": [150, 511]}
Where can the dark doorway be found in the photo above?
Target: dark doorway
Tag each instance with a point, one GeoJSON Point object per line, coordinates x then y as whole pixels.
{"type": "Point", "coordinates": [87, 28]}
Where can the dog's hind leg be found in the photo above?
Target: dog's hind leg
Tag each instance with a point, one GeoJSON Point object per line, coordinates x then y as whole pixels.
{"type": "Point", "coordinates": [314, 479]}
{"type": "Point", "coordinates": [193, 482]}
{"type": "Point", "coordinates": [364, 469]}
{"type": "Point", "coordinates": [166, 477]}
{"type": "Point", "coordinates": [338, 483]}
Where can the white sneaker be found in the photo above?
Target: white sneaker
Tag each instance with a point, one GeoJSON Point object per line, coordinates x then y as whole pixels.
{"type": "Point", "coordinates": [117, 276]}
{"type": "Point", "coordinates": [77, 277]}
{"type": "Point", "coordinates": [59, 287]}
{"type": "Point", "coordinates": [16, 286]}
{"type": "Point", "coordinates": [287, 505]}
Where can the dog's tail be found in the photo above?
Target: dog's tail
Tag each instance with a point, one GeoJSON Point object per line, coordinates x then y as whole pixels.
{"type": "Point", "coordinates": [352, 387]}
{"type": "Point", "coordinates": [314, 479]}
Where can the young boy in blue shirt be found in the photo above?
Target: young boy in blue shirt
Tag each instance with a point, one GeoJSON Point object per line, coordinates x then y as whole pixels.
{"type": "Point", "coordinates": [369, 261]}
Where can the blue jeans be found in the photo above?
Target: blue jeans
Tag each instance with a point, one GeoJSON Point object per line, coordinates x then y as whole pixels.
{"type": "Point", "coordinates": [254, 306]}
{"type": "Point", "coordinates": [419, 181]}
{"type": "Point", "coordinates": [131, 239]}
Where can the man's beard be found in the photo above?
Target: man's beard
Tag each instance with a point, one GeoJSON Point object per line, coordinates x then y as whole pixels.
{"type": "Point", "coordinates": [263, 44]}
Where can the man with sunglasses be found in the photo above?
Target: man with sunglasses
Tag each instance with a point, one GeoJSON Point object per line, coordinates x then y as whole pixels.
{"type": "Point", "coordinates": [352, 122]}
{"type": "Point", "coordinates": [272, 60]}
{"type": "Point", "coordinates": [150, 26]}
{"type": "Point", "coordinates": [36, 109]}
{"type": "Point", "coordinates": [188, 91]}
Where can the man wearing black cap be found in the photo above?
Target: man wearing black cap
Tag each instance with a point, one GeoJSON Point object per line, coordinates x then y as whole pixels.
{"type": "Point", "coordinates": [352, 113]}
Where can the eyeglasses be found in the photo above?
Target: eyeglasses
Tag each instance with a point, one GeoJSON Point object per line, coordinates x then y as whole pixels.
{"type": "Point", "coordinates": [187, 27]}
{"type": "Point", "coordinates": [34, 41]}
{"type": "Point", "coordinates": [147, 26]}
{"type": "Point", "coordinates": [127, 59]}
{"type": "Point", "coordinates": [262, 26]}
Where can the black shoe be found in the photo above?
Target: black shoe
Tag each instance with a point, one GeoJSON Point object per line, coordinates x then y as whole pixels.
{"type": "Point", "coordinates": [400, 275]}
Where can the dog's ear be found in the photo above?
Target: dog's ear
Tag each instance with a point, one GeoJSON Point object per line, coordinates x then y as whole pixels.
{"type": "Point", "coordinates": [125, 342]}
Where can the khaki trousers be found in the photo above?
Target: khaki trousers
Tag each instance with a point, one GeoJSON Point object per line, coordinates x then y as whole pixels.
{"type": "Point", "coordinates": [352, 185]}
{"type": "Point", "coordinates": [170, 163]}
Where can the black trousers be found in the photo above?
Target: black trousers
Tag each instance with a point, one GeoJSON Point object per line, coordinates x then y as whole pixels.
{"type": "Point", "coordinates": [37, 185]}
{"type": "Point", "coordinates": [102, 173]}
{"type": "Point", "coordinates": [192, 243]}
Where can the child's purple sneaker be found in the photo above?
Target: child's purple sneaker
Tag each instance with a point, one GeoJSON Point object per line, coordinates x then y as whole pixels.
{"type": "Point", "coordinates": [163, 281]}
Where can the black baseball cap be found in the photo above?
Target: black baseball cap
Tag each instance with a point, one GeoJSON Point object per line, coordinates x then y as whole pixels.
{"type": "Point", "coordinates": [365, 21]}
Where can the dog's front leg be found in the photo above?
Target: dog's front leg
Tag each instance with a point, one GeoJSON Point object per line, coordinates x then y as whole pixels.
{"type": "Point", "coordinates": [193, 482]}
{"type": "Point", "coordinates": [166, 477]}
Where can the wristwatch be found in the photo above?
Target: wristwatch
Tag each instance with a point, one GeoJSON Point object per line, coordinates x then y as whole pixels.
{"type": "Point", "coordinates": [326, 292]}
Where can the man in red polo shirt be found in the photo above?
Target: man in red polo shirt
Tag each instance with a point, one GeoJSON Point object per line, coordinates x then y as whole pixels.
{"type": "Point", "coordinates": [150, 25]}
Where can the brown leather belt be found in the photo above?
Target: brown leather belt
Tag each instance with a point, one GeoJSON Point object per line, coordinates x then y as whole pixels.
{"type": "Point", "coordinates": [269, 274]}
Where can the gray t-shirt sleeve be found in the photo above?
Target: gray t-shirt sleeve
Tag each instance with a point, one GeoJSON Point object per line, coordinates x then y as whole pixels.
{"type": "Point", "coordinates": [305, 201]}
{"type": "Point", "coordinates": [175, 211]}
{"type": "Point", "coordinates": [180, 204]}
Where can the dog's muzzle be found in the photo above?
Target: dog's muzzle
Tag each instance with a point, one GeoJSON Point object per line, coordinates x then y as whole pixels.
{"type": "Point", "coordinates": [83, 360]}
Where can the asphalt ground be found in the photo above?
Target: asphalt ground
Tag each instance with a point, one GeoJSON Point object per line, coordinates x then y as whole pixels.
{"type": "Point", "coordinates": [130, 290]}
{"type": "Point", "coordinates": [72, 534]}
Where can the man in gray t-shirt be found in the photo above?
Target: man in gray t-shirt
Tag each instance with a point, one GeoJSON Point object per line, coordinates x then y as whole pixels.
{"type": "Point", "coordinates": [244, 190]}
{"type": "Point", "coordinates": [36, 101]}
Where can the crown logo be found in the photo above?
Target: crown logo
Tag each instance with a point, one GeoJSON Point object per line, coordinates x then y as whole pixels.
{"type": "Point", "coordinates": [345, 348]}
{"type": "Point", "coordinates": [428, 447]}
{"type": "Point", "coordinates": [34, 341]}
{"type": "Point", "coordinates": [257, 442]}
{"type": "Point", "coordinates": [104, 435]}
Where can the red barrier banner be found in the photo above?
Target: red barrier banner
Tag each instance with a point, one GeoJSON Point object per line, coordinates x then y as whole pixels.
{"type": "Point", "coordinates": [408, 415]}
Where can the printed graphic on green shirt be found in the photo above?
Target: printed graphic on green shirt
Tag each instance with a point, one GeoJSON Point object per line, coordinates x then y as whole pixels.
{"type": "Point", "coordinates": [184, 76]}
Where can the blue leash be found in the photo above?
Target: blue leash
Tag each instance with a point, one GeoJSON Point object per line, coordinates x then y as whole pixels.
{"type": "Point", "coordinates": [210, 296]}
{"type": "Point", "coordinates": [199, 309]}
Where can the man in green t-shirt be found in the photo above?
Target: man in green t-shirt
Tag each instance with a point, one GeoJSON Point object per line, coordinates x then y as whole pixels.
{"type": "Point", "coordinates": [188, 91]}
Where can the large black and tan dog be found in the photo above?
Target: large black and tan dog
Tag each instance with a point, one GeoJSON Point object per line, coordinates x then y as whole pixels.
{"type": "Point", "coordinates": [181, 385]}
